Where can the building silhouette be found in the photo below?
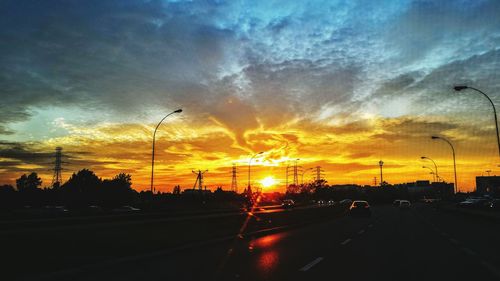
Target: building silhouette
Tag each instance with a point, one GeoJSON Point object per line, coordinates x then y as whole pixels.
{"type": "Point", "coordinates": [488, 185]}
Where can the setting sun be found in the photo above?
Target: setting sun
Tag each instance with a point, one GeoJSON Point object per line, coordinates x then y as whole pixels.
{"type": "Point", "coordinates": [268, 181]}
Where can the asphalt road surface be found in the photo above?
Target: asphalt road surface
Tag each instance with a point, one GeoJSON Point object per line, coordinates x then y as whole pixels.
{"type": "Point", "coordinates": [417, 244]}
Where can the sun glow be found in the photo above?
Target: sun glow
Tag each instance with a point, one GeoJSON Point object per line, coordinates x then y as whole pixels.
{"type": "Point", "coordinates": [268, 181]}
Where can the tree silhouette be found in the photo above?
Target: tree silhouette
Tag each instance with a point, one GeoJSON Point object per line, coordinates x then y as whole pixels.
{"type": "Point", "coordinates": [82, 188]}
{"type": "Point", "coordinates": [177, 190]}
{"type": "Point", "coordinates": [28, 183]}
{"type": "Point", "coordinates": [117, 191]}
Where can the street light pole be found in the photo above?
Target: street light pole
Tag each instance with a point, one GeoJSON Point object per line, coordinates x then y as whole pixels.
{"type": "Point", "coordinates": [432, 172]}
{"type": "Point", "coordinates": [463, 87]}
{"type": "Point", "coordinates": [153, 150]}
{"type": "Point", "coordinates": [454, 162]}
{"type": "Point", "coordinates": [249, 162]}
{"type": "Point", "coordinates": [435, 166]}
{"type": "Point", "coordinates": [381, 163]}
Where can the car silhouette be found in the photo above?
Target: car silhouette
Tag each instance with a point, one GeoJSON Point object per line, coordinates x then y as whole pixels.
{"type": "Point", "coordinates": [360, 208]}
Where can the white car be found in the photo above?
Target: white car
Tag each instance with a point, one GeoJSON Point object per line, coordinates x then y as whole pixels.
{"type": "Point", "coordinates": [404, 204]}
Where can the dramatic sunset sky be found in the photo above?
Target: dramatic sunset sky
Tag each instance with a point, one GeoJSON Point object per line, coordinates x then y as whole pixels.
{"type": "Point", "coordinates": [341, 84]}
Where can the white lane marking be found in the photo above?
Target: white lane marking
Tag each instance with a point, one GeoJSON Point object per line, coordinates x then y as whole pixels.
{"type": "Point", "coordinates": [361, 231]}
{"type": "Point", "coordinates": [469, 251]}
{"type": "Point", "coordinates": [493, 270]}
{"type": "Point", "coordinates": [311, 264]}
{"type": "Point", "coordinates": [346, 241]}
{"type": "Point", "coordinates": [454, 241]}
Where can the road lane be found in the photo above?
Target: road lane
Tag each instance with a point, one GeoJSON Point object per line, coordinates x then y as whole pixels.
{"type": "Point", "coordinates": [392, 245]}
{"type": "Point", "coordinates": [476, 236]}
{"type": "Point", "coordinates": [265, 258]}
{"type": "Point", "coordinates": [401, 246]}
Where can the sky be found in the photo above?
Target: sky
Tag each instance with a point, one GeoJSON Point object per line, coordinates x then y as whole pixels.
{"type": "Point", "coordinates": [336, 84]}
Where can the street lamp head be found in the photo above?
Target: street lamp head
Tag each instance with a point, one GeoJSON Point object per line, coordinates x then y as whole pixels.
{"type": "Point", "coordinates": [460, 88]}
{"type": "Point", "coordinates": [178, 111]}
{"type": "Point", "coordinates": [434, 137]}
{"type": "Point", "coordinates": [260, 152]}
{"type": "Point", "coordinates": [423, 157]}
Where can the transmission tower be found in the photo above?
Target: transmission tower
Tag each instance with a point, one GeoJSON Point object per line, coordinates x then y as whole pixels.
{"type": "Point", "coordinates": [234, 183]}
{"type": "Point", "coordinates": [57, 178]}
{"type": "Point", "coordinates": [296, 174]}
{"type": "Point", "coordinates": [319, 173]}
{"type": "Point", "coordinates": [199, 179]}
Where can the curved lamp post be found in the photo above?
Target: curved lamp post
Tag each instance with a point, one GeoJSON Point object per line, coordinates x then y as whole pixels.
{"type": "Point", "coordinates": [153, 152]}
{"type": "Point", "coordinates": [463, 87]}
{"type": "Point", "coordinates": [432, 172]}
{"type": "Point", "coordinates": [381, 163]}
{"type": "Point", "coordinates": [454, 162]}
{"type": "Point", "coordinates": [435, 166]}
{"type": "Point", "coordinates": [249, 162]}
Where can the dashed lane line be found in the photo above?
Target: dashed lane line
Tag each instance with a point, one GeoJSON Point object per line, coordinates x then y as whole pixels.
{"type": "Point", "coordinates": [361, 231]}
{"type": "Point", "coordinates": [311, 264]}
{"type": "Point", "coordinates": [346, 241]}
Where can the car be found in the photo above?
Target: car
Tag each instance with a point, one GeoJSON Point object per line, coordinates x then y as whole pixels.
{"type": "Point", "coordinates": [360, 208]}
{"type": "Point", "coordinates": [321, 202]}
{"type": "Point", "coordinates": [346, 202]}
{"type": "Point", "coordinates": [396, 202]}
{"type": "Point", "coordinates": [404, 204]}
{"type": "Point", "coordinates": [125, 209]}
{"type": "Point", "coordinates": [331, 202]}
{"type": "Point", "coordinates": [287, 203]}
{"type": "Point", "coordinates": [475, 203]}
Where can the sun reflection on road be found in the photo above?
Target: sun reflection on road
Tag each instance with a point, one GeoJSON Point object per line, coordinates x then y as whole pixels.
{"type": "Point", "coordinates": [268, 240]}
{"type": "Point", "coordinates": [268, 256]}
{"type": "Point", "coordinates": [267, 261]}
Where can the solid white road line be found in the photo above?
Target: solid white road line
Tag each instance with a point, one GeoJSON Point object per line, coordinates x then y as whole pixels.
{"type": "Point", "coordinates": [311, 264]}
{"type": "Point", "coordinates": [346, 241]}
{"type": "Point", "coordinates": [361, 231]}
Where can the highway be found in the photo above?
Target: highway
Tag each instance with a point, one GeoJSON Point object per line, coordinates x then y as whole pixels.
{"type": "Point", "coordinates": [418, 244]}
